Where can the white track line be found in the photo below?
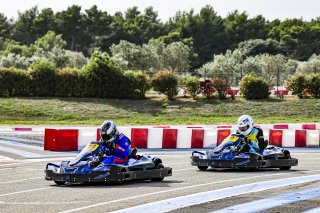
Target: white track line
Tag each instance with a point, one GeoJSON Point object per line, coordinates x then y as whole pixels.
{"type": "Point", "coordinates": [20, 192]}
{"type": "Point", "coordinates": [20, 152]}
{"type": "Point", "coordinates": [275, 201]}
{"type": "Point", "coordinates": [13, 181]}
{"type": "Point", "coordinates": [170, 190]}
{"type": "Point", "coordinates": [203, 197]}
{"type": "Point", "coordinates": [12, 143]}
{"type": "Point", "coordinates": [315, 210]}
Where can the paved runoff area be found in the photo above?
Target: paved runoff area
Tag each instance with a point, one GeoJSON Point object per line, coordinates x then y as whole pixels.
{"type": "Point", "coordinates": [23, 188]}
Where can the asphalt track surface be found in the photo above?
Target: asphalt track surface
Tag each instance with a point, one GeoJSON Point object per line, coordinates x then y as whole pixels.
{"type": "Point", "coordinates": [23, 188]}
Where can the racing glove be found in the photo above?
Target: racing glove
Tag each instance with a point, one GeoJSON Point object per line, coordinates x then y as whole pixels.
{"type": "Point", "coordinates": [94, 162]}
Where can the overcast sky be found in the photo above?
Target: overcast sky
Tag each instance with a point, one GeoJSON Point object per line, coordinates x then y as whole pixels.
{"type": "Point", "coordinates": [270, 9]}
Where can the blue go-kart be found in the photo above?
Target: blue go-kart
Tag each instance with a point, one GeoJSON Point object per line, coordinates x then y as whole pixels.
{"type": "Point", "coordinates": [226, 155]}
{"type": "Point", "coordinates": [139, 167]}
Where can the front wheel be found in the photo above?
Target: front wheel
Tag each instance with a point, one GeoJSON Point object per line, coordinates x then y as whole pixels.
{"type": "Point", "coordinates": [203, 168]}
{"type": "Point", "coordinates": [59, 182]}
{"type": "Point", "coordinates": [158, 166]}
{"type": "Point", "coordinates": [286, 156]}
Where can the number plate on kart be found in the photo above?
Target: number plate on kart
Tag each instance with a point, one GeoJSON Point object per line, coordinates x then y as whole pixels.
{"type": "Point", "coordinates": [232, 138]}
{"type": "Point", "coordinates": [91, 147]}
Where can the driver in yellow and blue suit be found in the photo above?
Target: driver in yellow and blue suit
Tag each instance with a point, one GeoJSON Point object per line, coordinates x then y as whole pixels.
{"type": "Point", "coordinates": [253, 136]}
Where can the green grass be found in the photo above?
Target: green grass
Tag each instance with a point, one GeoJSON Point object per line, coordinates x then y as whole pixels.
{"type": "Point", "coordinates": [151, 111]}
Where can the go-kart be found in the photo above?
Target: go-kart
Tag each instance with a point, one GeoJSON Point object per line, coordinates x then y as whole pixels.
{"type": "Point", "coordinates": [79, 170]}
{"type": "Point", "coordinates": [226, 155]}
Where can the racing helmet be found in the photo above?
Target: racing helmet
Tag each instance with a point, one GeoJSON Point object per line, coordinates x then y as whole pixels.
{"type": "Point", "coordinates": [108, 131]}
{"type": "Point", "coordinates": [245, 124]}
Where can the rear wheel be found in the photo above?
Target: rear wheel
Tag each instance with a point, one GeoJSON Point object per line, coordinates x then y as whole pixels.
{"type": "Point", "coordinates": [60, 182]}
{"type": "Point", "coordinates": [203, 168]}
{"type": "Point", "coordinates": [158, 166]}
{"type": "Point", "coordinates": [286, 156]}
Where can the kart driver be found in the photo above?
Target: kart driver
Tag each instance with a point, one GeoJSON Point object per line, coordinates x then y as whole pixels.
{"type": "Point", "coordinates": [253, 136]}
{"type": "Point", "coordinates": [116, 146]}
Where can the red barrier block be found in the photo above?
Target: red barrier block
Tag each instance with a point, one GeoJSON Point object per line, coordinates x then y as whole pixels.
{"type": "Point", "coordinates": [275, 137]}
{"type": "Point", "coordinates": [223, 127]}
{"type": "Point", "coordinates": [281, 126]}
{"type": "Point", "coordinates": [22, 129]}
{"type": "Point", "coordinates": [196, 127]}
{"type": "Point", "coordinates": [61, 139]}
{"type": "Point", "coordinates": [139, 137]}
{"type": "Point", "coordinates": [169, 139]}
{"type": "Point", "coordinates": [98, 134]}
{"type": "Point", "coordinates": [50, 139]}
{"type": "Point", "coordinates": [197, 138]}
{"type": "Point", "coordinates": [309, 126]}
{"type": "Point", "coordinates": [301, 138]}
{"type": "Point", "coordinates": [222, 134]}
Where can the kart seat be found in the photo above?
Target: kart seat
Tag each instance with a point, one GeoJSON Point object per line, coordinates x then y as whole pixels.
{"type": "Point", "coordinates": [133, 153]}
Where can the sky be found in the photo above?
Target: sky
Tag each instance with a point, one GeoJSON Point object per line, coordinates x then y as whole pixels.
{"type": "Point", "coordinates": [270, 9]}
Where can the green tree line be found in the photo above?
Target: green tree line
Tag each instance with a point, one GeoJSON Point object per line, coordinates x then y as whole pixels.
{"type": "Point", "coordinates": [206, 32]}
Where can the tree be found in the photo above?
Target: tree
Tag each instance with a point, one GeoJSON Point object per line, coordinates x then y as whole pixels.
{"type": "Point", "coordinates": [5, 27]}
{"type": "Point", "coordinates": [176, 57]}
{"type": "Point", "coordinates": [50, 41]}
{"type": "Point", "coordinates": [44, 22]}
{"type": "Point", "coordinates": [24, 30]}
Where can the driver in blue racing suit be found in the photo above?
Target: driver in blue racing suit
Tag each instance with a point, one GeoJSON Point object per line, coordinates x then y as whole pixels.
{"type": "Point", "coordinates": [253, 136]}
{"type": "Point", "coordinates": [116, 146]}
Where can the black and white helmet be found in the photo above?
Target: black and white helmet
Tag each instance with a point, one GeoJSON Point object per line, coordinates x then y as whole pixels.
{"type": "Point", "coordinates": [108, 131]}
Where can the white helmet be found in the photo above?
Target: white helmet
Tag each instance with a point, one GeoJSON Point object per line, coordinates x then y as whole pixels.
{"type": "Point", "coordinates": [245, 124]}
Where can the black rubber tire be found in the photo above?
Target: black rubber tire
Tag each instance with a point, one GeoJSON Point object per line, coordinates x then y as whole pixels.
{"type": "Point", "coordinates": [158, 166]}
{"type": "Point", "coordinates": [203, 168]}
{"type": "Point", "coordinates": [60, 183]}
{"type": "Point", "coordinates": [286, 156]}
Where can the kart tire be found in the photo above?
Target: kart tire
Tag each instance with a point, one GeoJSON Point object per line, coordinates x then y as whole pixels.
{"type": "Point", "coordinates": [158, 166]}
{"type": "Point", "coordinates": [203, 168]}
{"type": "Point", "coordinates": [286, 156]}
{"type": "Point", "coordinates": [60, 183]}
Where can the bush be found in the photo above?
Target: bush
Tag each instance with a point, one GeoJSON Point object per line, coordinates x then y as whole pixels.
{"type": "Point", "coordinates": [138, 84]}
{"type": "Point", "coordinates": [102, 78]}
{"type": "Point", "coordinates": [313, 85]}
{"type": "Point", "coordinates": [221, 86]}
{"type": "Point", "coordinates": [43, 78]}
{"type": "Point", "coordinates": [165, 82]}
{"type": "Point", "coordinates": [193, 86]}
{"type": "Point", "coordinates": [298, 85]}
{"type": "Point", "coordinates": [68, 82]}
{"type": "Point", "coordinates": [253, 87]}
{"type": "Point", "coordinates": [13, 82]}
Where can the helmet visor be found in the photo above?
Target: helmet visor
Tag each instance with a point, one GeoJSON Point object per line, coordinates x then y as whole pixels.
{"type": "Point", "coordinates": [108, 137]}
{"type": "Point", "coordinates": [244, 128]}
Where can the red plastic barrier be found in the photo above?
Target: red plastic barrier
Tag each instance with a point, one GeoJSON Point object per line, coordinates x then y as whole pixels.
{"type": "Point", "coordinates": [197, 138]}
{"type": "Point", "coordinates": [98, 134]}
{"type": "Point", "coordinates": [281, 126]}
{"type": "Point", "coordinates": [22, 129]}
{"type": "Point", "coordinates": [309, 126]}
{"type": "Point", "coordinates": [275, 137]}
{"type": "Point", "coordinates": [301, 138]}
{"type": "Point", "coordinates": [222, 134]}
{"type": "Point", "coordinates": [196, 127]}
{"type": "Point", "coordinates": [169, 139]}
{"type": "Point", "coordinates": [223, 127]}
{"type": "Point", "coordinates": [61, 139]}
{"type": "Point", "coordinates": [139, 137]}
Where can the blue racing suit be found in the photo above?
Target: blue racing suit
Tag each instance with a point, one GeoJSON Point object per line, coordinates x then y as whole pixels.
{"type": "Point", "coordinates": [119, 153]}
{"type": "Point", "coordinates": [254, 139]}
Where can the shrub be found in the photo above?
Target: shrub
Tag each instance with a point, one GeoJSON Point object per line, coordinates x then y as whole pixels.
{"type": "Point", "coordinates": [102, 78]}
{"type": "Point", "coordinates": [68, 82]}
{"type": "Point", "coordinates": [13, 82]}
{"type": "Point", "coordinates": [313, 85]}
{"type": "Point", "coordinates": [165, 82]}
{"type": "Point", "coordinates": [43, 78]}
{"type": "Point", "coordinates": [138, 84]}
{"type": "Point", "coordinates": [193, 86]}
{"type": "Point", "coordinates": [298, 85]}
{"type": "Point", "coordinates": [221, 86]}
{"type": "Point", "coordinates": [254, 88]}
